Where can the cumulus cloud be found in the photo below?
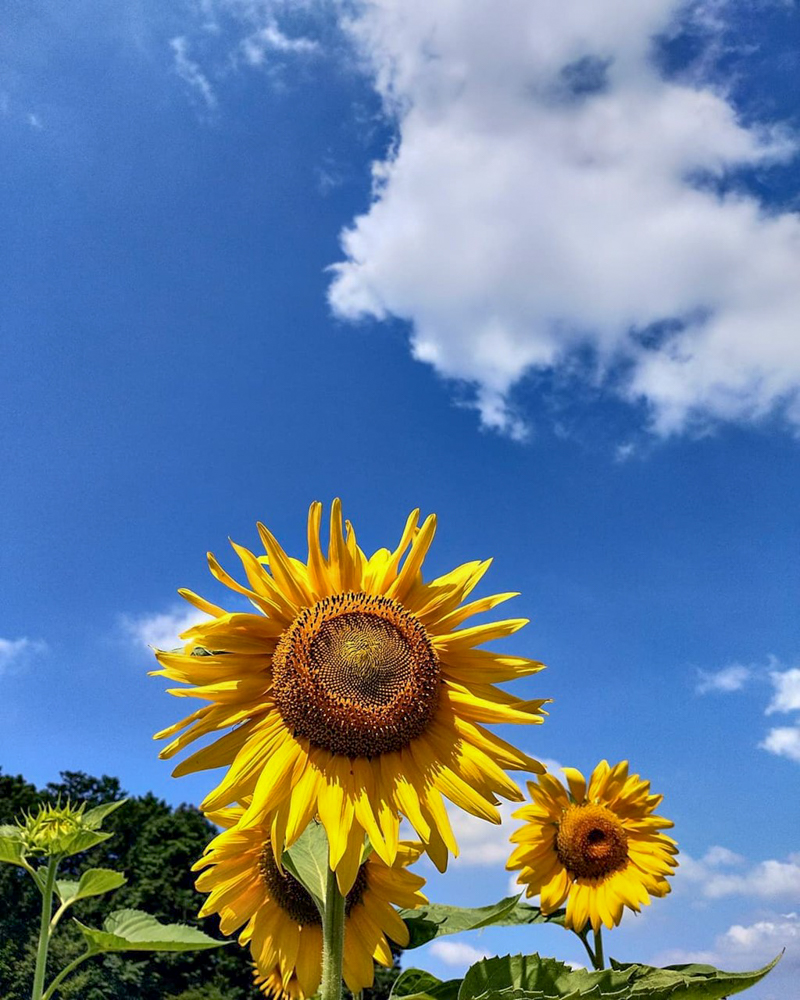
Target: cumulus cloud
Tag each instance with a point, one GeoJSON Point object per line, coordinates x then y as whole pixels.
{"type": "Point", "coordinates": [162, 630]}
{"type": "Point", "coordinates": [787, 691]}
{"type": "Point", "coordinates": [751, 946]}
{"type": "Point", "coordinates": [732, 678]}
{"type": "Point", "coordinates": [16, 654]}
{"type": "Point", "coordinates": [552, 197]}
{"type": "Point", "coordinates": [457, 953]}
{"type": "Point", "coordinates": [721, 872]}
{"type": "Point", "coordinates": [784, 741]}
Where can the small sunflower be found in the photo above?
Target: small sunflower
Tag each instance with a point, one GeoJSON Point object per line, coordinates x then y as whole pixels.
{"type": "Point", "coordinates": [598, 847]}
{"type": "Point", "coordinates": [355, 695]}
{"type": "Point", "coordinates": [280, 921]}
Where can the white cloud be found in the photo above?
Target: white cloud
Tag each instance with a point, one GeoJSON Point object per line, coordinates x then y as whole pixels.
{"type": "Point", "coordinates": [270, 38]}
{"type": "Point", "coordinates": [190, 72]}
{"type": "Point", "coordinates": [787, 691]}
{"type": "Point", "coordinates": [162, 630]}
{"type": "Point", "coordinates": [16, 654]}
{"type": "Point", "coordinates": [482, 843]}
{"type": "Point", "coordinates": [721, 872]}
{"type": "Point", "coordinates": [551, 192]}
{"type": "Point", "coordinates": [784, 741]}
{"type": "Point", "coordinates": [732, 678]}
{"type": "Point", "coordinates": [750, 946]}
{"type": "Point", "coordinates": [457, 953]}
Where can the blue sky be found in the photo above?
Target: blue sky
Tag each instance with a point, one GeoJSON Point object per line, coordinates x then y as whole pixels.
{"type": "Point", "coordinates": [561, 312]}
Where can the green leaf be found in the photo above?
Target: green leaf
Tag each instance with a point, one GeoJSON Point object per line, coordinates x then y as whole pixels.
{"type": "Point", "coordinates": [77, 841]}
{"type": "Point", "coordinates": [697, 982]}
{"type": "Point", "coordinates": [93, 882]}
{"type": "Point", "coordinates": [11, 846]}
{"type": "Point", "coordinates": [93, 818]}
{"type": "Point", "coordinates": [416, 984]}
{"type": "Point", "coordinates": [435, 920]}
{"type": "Point", "coordinates": [132, 930]}
{"type": "Point", "coordinates": [524, 913]}
{"type": "Point", "coordinates": [307, 860]}
{"type": "Point", "coordinates": [529, 977]}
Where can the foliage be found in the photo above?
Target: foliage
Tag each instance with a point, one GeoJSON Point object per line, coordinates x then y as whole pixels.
{"type": "Point", "coordinates": [436, 920]}
{"type": "Point", "coordinates": [154, 845]}
{"type": "Point", "coordinates": [530, 977]}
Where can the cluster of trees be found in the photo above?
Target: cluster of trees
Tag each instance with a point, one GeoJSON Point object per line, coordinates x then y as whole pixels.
{"type": "Point", "coordinates": [155, 845]}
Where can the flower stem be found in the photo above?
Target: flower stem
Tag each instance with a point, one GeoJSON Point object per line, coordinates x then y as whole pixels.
{"type": "Point", "coordinates": [585, 944]}
{"type": "Point", "coordinates": [332, 940]}
{"type": "Point", "coordinates": [51, 989]}
{"type": "Point", "coordinates": [599, 961]}
{"type": "Point", "coordinates": [44, 929]}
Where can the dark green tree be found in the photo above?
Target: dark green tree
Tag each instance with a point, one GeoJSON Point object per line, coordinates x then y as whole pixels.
{"type": "Point", "coordinates": [155, 845]}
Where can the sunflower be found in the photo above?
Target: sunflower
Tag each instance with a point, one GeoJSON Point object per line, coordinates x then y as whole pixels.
{"type": "Point", "coordinates": [279, 918]}
{"type": "Point", "coordinates": [272, 985]}
{"type": "Point", "coordinates": [599, 848]}
{"type": "Point", "coordinates": [354, 695]}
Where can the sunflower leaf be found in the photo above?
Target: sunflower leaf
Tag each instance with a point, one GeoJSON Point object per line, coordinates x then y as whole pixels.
{"type": "Point", "coordinates": [93, 819]}
{"type": "Point", "coordinates": [77, 841]}
{"type": "Point", "coordinates": [416, 984]}
{"type": "Point", "coordinates": [307, 860]}
{"type": "Point", "coordinates": [690, 982]}
{"type": "Point", "coordinates": [530, 977]}
{"type": "Point", "coordinates": [93, 882]}
{"type": "Point", "coordinates": [436, 920]}
{"type": "Point", "coordinates": [524, 913]}
{"type": "Point", "coordinates": [133, 930]}
{"type": "Point", "coordinates": [11, 846]}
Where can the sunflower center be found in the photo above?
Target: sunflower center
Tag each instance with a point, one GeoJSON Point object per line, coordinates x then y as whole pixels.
{"type": "Point", "coordinates": [357, 675]}
{"type": "Point", "coordinates": [591, 842]}
{"type": "Point", "coordinates": [293, 898]}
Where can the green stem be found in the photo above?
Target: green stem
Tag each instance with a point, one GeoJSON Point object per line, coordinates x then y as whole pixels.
{"type": "Point", "coordinates": [51, 989]}
{"type": "Point", "coordinates": [599, 961]}
{"type": "Point", "coordinates": [589, 951]}
{"type": "Point", "coordinates": [332, 941]}
{"type": "Point", "coordinates": [44, 929]}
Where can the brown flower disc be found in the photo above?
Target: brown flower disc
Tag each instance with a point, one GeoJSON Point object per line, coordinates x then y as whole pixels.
{"type": "Point", "coordinates": [591, 842]}
{"type": "Point", "coordinates": [356, 674]}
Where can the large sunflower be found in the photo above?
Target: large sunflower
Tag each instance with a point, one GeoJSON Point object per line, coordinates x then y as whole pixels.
{"type": "Point", "coordinates": [598, 847]}
{"type": "Point", "coordinates": [280, 921]}
{"type": "Point", "coordinates": [354, 694]}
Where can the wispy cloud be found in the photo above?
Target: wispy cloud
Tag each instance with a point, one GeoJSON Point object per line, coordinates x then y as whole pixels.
{"type": "Point", "coordinates": [17, 654]}
{"type": "Point", "coordinates": [457, 953]}
{"type": "Point", "coordinates": [783, 741]}
{"type": "Point", "coordinates": [257, 46]}
{"type": "Point", "coordinates": [161, 630]}
{"type": "Point", "coordinates": [731, 678]}
{"type": "Point", "coordinates": [190, 72]}
{"type": "Point", "coordinates": [552, 196]}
